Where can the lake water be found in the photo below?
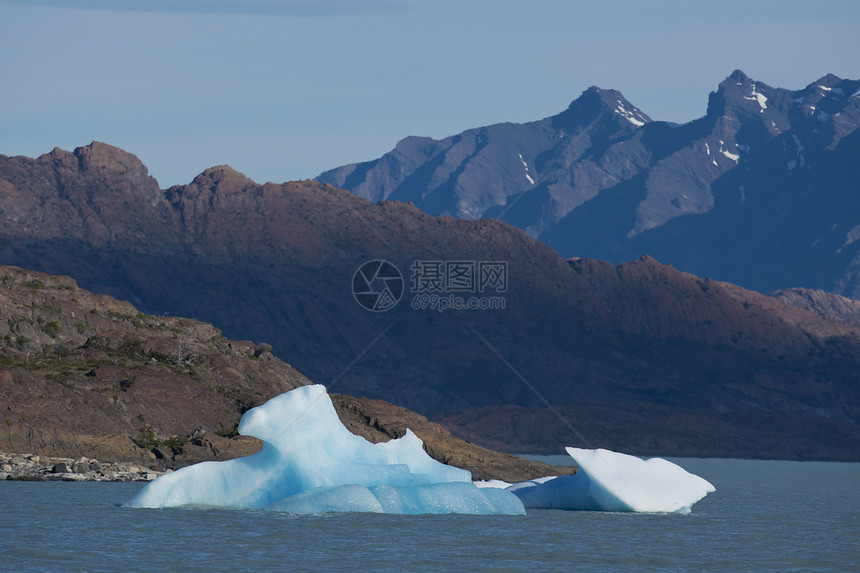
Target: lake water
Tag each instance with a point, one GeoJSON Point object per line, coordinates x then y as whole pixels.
{"type": "Point", "coordinates": [764, 516]}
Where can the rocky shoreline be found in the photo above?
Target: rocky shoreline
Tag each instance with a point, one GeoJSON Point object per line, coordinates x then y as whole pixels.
{"type": "Point", "coordinates": [32, 467]}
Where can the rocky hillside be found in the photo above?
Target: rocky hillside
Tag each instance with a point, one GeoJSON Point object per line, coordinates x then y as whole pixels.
{"type": "Point", "coordinates": [637, 357]}
{"type": "Point", "coordinates": [827, 304]}
{"type": "Point", "coordinates": [86, 375]}
{"type": "Point", "coordinates": [761, 191]}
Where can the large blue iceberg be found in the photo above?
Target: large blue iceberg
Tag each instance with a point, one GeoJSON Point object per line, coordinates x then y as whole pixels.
{"type": "Point", "coordinates": [311, 463]}
{"type": "Point", "coordinates": [612, 481]}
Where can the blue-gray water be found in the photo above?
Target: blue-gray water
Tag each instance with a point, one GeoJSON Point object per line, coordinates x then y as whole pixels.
{"type": "Point", "coordinates": [764, 516]}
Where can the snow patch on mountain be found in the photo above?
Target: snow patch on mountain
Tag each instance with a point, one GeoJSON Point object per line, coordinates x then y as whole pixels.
{"type": "Point", "coordinates": [526, 166]}
{"type": "Point", "coordinates": [800, 149]}
{"type": "Point", "coordinates": [630, 116]}
{"type": "Point", "coordinates": [758, 97]}
{"type": "Point", "coordinates": [837, 90]}
{"type": "Point", "coordinates": [733, 156]}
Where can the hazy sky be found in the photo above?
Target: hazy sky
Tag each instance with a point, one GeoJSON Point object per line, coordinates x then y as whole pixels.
{"type": "Point", "coordinates": [187, 84]}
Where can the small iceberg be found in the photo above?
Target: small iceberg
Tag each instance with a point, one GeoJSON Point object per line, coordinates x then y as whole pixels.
{"type": "Point", "coordinates": [611, 481]}
{"type": "Point", "coordinates": [310, 463]}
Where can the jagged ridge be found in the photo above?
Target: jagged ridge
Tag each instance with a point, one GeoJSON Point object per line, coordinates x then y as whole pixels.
{"type": "Point", "coordinates": [760, 191]}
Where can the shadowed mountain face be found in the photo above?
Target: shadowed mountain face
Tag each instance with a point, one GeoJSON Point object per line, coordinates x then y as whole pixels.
{"type": "Point", "coordinates": [762, 191]}
{"type": "Point", "coordinates": [637, 357]}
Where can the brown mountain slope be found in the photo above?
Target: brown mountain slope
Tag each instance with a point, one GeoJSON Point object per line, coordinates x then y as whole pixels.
{"type": "Point", "coordinates": [649, 359]}
{"type": "Point", "coordinates": [86, 375]}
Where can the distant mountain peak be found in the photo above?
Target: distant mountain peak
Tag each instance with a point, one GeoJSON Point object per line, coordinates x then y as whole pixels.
{"type": "Point", "coordinates": [740, 82]}
{"type": "Point", "coordinates": [738, 76]}
{"type": "Point", "coordinates": [98, 155]}
{"type": "Point", "coordinates": [596, 101]}
{"type": "Point", "coordinates": [739, 93]}
{"type": "Point", "coordinates": [591, 181]}
{"type": "Point", "coordinates": [828, 80]}
{"type": "Point", "coordinates": [223, 178]}
{"type": "Point", "coordinates": [837, 91]}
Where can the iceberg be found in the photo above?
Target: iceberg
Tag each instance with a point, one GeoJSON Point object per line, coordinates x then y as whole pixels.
{"type": "Point", "coordinates": [612, 481]}
{"type": "Point", "coordinates": [310, 463]}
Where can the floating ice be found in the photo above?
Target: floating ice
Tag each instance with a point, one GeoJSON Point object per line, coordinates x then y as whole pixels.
{"type": "Point", "coordinates": [611, 481]}
{"type": "Point", "coordinates": [311, 463]}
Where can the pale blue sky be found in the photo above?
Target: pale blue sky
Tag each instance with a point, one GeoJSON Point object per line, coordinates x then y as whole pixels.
{"type": "Point", "coordinates": [187, 84]}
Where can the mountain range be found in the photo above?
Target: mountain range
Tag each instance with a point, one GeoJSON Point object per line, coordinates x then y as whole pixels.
{"type": "Point", "coordinates": [638, 357]}
{"type": "Point", "coordinates": [762, 191]}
